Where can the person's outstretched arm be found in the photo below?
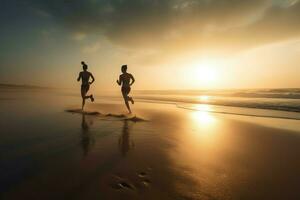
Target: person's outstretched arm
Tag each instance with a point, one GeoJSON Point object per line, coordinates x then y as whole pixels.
{"type": "Point", "coordinates": [119, 81]}
{"type": "Point", "coordinates": [79, 76]}
{"type": "Point", "coordinates": [93, 79]}
{"type": "Point", "coordinates": [132, 78]}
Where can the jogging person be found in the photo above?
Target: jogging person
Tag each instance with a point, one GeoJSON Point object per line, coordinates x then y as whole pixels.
{"type": "Point", "coordinates": [85, 85]}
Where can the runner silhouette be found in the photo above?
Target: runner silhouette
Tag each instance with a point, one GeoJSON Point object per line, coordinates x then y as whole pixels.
{"type": "Point", "coordinates": [126, 80]}
{"type": "Point", "coordinates": [85, 85]}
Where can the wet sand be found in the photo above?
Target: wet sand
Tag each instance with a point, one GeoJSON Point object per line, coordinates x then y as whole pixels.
{"type": "Point", "coordinates": [173, 154]}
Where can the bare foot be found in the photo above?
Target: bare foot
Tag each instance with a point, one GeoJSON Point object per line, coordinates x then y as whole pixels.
{"type": "Point", "coordinates": [92, 98]}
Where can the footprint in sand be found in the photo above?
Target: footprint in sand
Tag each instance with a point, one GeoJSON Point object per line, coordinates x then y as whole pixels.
{"type": "Point", "coordinates": [142, 174]}
{"type": "Point", "coordinates": [144, 180]}
{"type": "Point", "coordinates": [121, 184]}
{"type": "Point", "coordinates": [141, 182]}
{"type": "Point", "coordinates": [124, 184]}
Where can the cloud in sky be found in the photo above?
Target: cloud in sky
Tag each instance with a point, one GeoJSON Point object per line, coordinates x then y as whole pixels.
{"type": "Point", "coordinates": [78, 36]}
{"type": "Point", "coordinates": [183, 24]}
{"type": "Point", "coordinates": [92, 48]}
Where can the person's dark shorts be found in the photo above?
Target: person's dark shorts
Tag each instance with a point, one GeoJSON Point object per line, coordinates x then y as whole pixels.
{"type": "Point", "coordinates": [85, 88]}
{"type": "Point", "coordinates": [125, 90]}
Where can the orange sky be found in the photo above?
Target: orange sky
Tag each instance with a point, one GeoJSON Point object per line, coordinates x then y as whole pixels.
{"type": "Point", "coordinates": [174, 44]}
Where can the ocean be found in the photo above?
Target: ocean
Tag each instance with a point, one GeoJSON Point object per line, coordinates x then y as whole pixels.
{"type": "Point", "coordinates": [256, 102]}
{"type": "Point", "coordinates": [277, 103]}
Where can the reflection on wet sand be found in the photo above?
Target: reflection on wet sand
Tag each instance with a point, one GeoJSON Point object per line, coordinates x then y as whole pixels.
{"type": "Point", "coordinates": [125, 144]}
{"type": "Point", "coordinates": [202, 118]}
{"type": "Point", "coordinates": [87, 140]}
{"type": "Point", "coordinates": [199, 156]}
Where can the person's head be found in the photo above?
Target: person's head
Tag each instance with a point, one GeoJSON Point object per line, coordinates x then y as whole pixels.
{"type": "Point", "coordinates": [124, 68]}
{"type": "Point", "coordinates": [84, 66]}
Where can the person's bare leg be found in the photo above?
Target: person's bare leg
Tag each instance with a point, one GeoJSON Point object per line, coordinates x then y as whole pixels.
{"type": "Point", "coordinates": [83, 95]}
{"type": "Point", "coordinates": [127, 105]}
{"type": "Point", "coordinates": [91, 97]}
{"type": "Point", "coordinates": [83, 99]}
{"type": "Point", "coordinates": [131, 99]}
{"type": "Point", "coordinates": [126, 99]}
{"type": "Point", "coordinates": [126, 102]}
{"type": "Point", "coordinates": [83, 102]}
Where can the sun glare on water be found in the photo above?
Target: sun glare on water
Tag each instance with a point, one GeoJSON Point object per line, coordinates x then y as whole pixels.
{"type": "Point", "coordinates": [203, 116]}
{"type": "Point", "coordinates": [204, 98]}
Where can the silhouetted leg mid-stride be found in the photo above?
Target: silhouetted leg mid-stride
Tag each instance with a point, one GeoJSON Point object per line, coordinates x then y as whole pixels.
{"type": "Point", "coordinates": [125, 92]}
{"type": "Point", "coordinates": [84, 90]}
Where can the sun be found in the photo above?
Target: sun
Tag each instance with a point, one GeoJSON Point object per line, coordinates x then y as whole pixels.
{"type": "Point", "coordinates": [205, 73]}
